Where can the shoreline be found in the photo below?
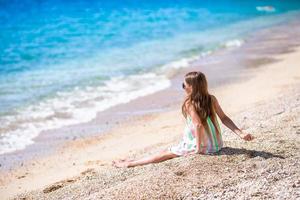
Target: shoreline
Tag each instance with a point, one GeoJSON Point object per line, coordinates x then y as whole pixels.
{"type": "Point", "coordinates": [152, 121]}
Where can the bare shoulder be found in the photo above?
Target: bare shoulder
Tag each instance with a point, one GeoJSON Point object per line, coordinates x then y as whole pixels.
{"type": "Point", "coordinates": [215, 103]}
{"type": "Point", "coordinates": [217, 107]}
{"type": "Point", "coordinates": [214, 99]}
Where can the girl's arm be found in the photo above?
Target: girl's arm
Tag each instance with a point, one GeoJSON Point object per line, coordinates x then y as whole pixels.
{"type": "Point", "coordinates": [199, 128]}
{"type": "Point", "coordinates": [228, 122]}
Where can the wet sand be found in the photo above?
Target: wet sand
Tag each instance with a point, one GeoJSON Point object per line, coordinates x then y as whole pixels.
{"type": "Point", "coordinates": [259, 90]}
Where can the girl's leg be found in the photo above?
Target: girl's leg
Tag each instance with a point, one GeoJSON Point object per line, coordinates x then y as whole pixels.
{"type": "Point", "coordinates": [162, 156]}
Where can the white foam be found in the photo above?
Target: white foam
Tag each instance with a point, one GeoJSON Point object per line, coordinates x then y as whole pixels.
{"type": "Point", "coordinates": [77, 106]}
{"type": "Point", "coordinates": [233, 43]}
{"type": "Point", "coordinates": [186, 62]}
{"type": "Point", "coordinates": [183, 63]}
{"type": "Point", "coordinates": [265, 8]}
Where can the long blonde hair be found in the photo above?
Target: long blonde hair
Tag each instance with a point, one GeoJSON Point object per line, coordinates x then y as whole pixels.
{"type": "Point", "coordinates": [199, 98]}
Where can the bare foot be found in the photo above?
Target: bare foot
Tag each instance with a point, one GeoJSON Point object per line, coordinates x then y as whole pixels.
{"type": "Point", "coordinates": [121, 164]}
{"type": "Point", "coordinates": [122, 160]}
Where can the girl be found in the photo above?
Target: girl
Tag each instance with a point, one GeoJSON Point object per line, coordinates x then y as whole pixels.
{"type": "Point", "coordinates": [202, 134]}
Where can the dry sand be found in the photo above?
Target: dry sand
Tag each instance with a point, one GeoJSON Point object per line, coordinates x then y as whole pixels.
{"type": "Point", "coordinates": [266, 105]}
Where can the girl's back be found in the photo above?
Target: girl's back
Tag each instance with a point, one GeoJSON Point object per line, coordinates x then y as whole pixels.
{"type": "Point", "coordinates": [211, 141]}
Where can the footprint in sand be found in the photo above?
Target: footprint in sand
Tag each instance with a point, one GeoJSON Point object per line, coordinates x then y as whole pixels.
{"type": "Point", "coordinates": [63, 183]}
{"type": "Point", "coordinates": [22, 176]}
{"type": "Point", "coordinates": [88, 171]}
{"type": "Point", "coordinates": [58, 185]}
{"type": "Point", "coordinates": [180, 173]}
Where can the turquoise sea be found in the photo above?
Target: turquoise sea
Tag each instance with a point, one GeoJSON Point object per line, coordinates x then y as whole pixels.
{"type": "Point", "coordinates": [63, 61]}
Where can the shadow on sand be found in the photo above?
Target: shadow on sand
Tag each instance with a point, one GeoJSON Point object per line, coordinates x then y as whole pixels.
{"type": "Point", "coordinates": [249, 153]}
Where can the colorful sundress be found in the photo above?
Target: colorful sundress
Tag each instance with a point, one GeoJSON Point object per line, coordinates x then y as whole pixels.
{"type": "Point", "coordinates": [211, 141]}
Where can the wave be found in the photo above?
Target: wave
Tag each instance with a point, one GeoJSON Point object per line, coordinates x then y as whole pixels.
{"type": "Point", "coordinates": [265, 8]}
{"type": "Point", "coordinates": [77, 106]}
{"type": "Point", "coordinates": [233, 43]}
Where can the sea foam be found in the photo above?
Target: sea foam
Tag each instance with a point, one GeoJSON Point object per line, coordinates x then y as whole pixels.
{"type": "Point", "coordinates": [77, 106]}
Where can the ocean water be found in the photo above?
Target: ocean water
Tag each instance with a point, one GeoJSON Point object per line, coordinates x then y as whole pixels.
{"type": "Point", "coordinates": [63, 61]}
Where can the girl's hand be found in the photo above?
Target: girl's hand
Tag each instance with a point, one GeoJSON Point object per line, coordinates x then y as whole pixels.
{"type": "Point", "coordinates": [247, 136]}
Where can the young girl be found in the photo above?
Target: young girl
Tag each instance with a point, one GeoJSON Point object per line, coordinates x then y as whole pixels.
{"type": "Point", "coordinates": [202, 134]}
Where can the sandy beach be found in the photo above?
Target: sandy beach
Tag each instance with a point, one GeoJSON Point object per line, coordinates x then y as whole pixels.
{"type": "Point", "coordinates": [265, 103]}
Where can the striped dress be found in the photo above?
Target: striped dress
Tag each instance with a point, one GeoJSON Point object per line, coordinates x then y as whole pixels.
{"type": "Point", "coordinates": [210, 142]}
